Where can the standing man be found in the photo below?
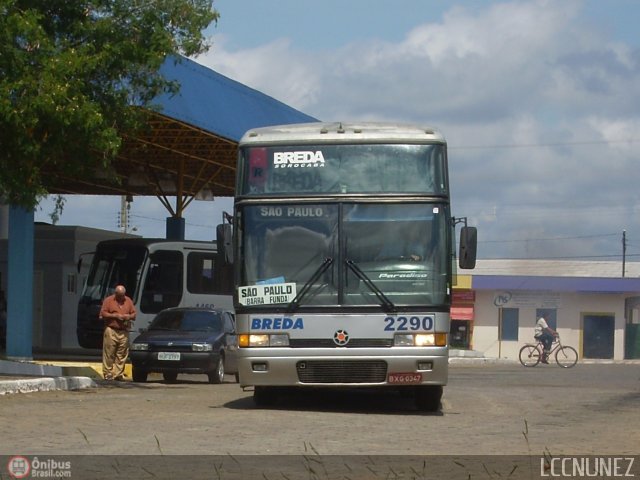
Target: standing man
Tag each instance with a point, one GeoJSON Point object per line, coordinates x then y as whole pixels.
{"type": "Point", "coordinates": [117, 313]}
{"type": "Point", "coordinates": [545, 334]}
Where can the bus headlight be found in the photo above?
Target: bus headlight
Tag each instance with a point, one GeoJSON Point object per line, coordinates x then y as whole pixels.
{"type": "Point", "coordinates": [139, 346]}
{"type": "Point", "coordinates": [420, 340]}
{"type": "Point", "coordinates": [263, 340]}
{"type": "Point", "coordinates": [431, 339]}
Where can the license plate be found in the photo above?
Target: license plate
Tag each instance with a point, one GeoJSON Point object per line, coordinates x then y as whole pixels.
{"type": "Point", "coordinates": [405, 378]}
{"type": "Point", "coordinates": [169, 356]}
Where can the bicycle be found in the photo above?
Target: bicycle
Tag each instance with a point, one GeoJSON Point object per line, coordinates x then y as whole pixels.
{"type": "Point", "coordinates": [531, 354]}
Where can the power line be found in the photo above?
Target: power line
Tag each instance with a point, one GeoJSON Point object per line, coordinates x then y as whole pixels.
{"type": "Point", "coordinates": [163, 221]}
{"type": "Point", "coordinates": [559, 258]}
{"type": "Point", "coordinates": [534, 145]}
{"type": "Point", "coordinates": [549, 239]}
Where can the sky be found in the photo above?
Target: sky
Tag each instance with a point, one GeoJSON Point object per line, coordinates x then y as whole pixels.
{"type": "Point", "coordinates": [539, 101]}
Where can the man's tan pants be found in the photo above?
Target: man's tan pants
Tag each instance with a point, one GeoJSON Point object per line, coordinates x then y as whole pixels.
{"type": "Point", "coordinates": [115, 350]}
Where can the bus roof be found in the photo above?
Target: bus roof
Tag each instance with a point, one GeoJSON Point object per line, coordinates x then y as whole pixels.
{"type": "Point", "coordinates": [342, 132]}
{"type": "Point", "coordinates": [145, 242]}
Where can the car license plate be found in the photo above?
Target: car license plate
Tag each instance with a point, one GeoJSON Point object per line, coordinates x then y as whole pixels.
{"type": "Point", "coordinates": [169, 356]}
{"type": "Point", "coordinates": [405, 378]}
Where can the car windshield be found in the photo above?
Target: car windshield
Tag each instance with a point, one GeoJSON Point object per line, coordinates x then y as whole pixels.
{"type": "Point", "coordinates": [187, 321]}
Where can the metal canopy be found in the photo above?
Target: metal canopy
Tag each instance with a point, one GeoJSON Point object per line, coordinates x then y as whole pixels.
{"type": "Point", "coordinates": [189, 149]}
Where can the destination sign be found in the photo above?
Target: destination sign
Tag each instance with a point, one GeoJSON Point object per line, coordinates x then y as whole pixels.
{"type": "Point", "coordinates": [267, 294]}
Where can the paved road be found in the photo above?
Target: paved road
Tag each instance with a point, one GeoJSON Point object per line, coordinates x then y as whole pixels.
{"type": "Point", "coordinates": [590, 409]}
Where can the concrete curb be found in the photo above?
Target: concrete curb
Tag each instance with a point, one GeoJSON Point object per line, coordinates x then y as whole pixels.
{"type": "Point", "coordinates": [29, 385]}
{"type": "Point", "coordinates": [11, 367]}
{"type": "Point", "coordinates": [481, 361]}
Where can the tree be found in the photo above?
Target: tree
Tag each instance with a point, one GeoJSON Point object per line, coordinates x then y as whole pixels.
{"type": "Point", "coordinates": [71, 76]}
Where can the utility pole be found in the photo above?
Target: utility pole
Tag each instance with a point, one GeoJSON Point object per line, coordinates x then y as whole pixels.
{"type": "Point", "coordinates": [123, 215]}
{"type": "Point", "coordinates": [624, 250]}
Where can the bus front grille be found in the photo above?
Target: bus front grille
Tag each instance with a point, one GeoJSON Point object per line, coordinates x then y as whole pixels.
{"type": "Point", "coordinates": [342, 371]}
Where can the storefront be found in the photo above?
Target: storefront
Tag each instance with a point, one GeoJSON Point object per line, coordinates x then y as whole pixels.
{"type": "Point", "coordinates": [462, 312]}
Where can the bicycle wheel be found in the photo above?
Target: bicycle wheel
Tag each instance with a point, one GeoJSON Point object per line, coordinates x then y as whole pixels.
{"type": "Point", "coordinates": [530, 355]}
{"type": "Point", "coordinates": [566, 357]}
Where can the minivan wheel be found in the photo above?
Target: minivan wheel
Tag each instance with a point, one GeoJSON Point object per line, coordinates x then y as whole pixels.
{"type": "Point", "coordinates": [139, 375]}
{"type": "Point", "coordinates": [217, 375]}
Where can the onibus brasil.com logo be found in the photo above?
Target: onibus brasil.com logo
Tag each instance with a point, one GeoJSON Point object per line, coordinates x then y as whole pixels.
{"type": "Point", "coordinates": [22, 467]}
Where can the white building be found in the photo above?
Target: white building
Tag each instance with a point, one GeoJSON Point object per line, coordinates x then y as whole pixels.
{"type": "Point", "coordinates": [591, 305]}
{"type": "Point", "coordinates": [57, 283]}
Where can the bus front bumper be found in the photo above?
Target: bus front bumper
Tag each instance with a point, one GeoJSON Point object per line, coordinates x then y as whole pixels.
{"type": "Point", "coordinates": [264, 369]}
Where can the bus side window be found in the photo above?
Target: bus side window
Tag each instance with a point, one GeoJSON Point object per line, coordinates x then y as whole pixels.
{"type": "Point", "coordinates": [163, 285]}
{"type": "Point", "coordinates": [201, 272]}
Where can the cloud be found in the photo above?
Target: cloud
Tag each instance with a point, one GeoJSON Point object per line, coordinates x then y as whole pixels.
{"type": "Point", "coordinates": [541, 112]}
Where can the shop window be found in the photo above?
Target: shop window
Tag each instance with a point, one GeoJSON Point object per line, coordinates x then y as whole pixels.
{"type": "Point", "coordinates": [460, 334]}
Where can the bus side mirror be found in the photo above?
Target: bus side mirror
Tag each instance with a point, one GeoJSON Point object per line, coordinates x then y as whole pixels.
{"type": "Point", "coordinates": [224, 237]}
{"type": "Point", "coordinates": [468, 247]}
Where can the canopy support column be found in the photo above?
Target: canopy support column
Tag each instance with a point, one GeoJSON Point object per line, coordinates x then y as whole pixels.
{"type": "Point", "coordinates": [20, 284]}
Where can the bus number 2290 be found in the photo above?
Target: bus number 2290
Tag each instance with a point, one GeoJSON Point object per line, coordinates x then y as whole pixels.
{"type": "Point", "coordinates": [403, 324]}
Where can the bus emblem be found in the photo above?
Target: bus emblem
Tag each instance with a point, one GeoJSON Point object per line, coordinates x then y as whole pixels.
{"type": "Point", "coordinates": [341, 338]}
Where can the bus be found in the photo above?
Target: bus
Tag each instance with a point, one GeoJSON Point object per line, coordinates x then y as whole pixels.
{"type": "Point", "coordinates": [157, 274]}
{"type": "Point", "coordinates": [345, 259]}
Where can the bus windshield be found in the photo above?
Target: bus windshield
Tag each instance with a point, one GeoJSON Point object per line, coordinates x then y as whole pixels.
{"type": "Point", "coordinates": [343, 169]}
{"type": "Point", "coordinates": [354, 254]}
{"type": "Point", "coordinates": [113, 266]}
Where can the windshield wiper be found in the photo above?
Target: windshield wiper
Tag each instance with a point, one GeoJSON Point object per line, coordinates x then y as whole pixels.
{"type": "Point", "coordinates": [384, 300]}
{"type": "Point", "coordinates": [295, 303]}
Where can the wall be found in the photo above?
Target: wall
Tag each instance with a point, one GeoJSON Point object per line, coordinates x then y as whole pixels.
{"type": "Point", "coordinates": [55, 303]}
{"type": "Point", "coordinates": [570, 310]}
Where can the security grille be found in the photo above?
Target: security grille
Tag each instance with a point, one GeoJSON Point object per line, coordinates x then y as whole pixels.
{"type": "Point", "coordinates": [342, 371]}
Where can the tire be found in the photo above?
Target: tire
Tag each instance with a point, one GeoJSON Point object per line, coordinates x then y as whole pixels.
{"type": "Point", "coordinates": [264, 396]}
{"type": "Point", "coordinates": [530, 355]}
{"type": "Point", "coordinates": [139, 375]}
{"type": "Point", "coordinates": [170, 377]}
{"type": "Point", "coordinates": [566, 357]}
{"type": "Point", "coordinates": [427, 397]}
{"type": "Point", "coordinates": [217, 375]}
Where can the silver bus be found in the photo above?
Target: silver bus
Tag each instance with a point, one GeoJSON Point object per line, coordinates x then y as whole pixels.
{"type": "Point", "coordinates": [344, 251]}
{"type": "Point", "coordinates": [157, 274]}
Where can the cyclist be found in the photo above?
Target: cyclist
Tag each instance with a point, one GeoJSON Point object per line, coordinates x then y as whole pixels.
{"type": "Point", "coordinates": [545, 335]}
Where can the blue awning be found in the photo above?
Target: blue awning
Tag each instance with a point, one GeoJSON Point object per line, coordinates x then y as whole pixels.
{"type": "Point", "coordinates": [217, 104]}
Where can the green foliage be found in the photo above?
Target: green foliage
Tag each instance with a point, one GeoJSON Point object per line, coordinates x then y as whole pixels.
{"type": "Point", "coordinates": [70, 71]}
{"type": "Point", "coordinates": [59, 202]}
